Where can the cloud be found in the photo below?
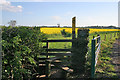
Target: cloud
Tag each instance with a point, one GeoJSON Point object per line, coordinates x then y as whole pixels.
{"type": "Point", "coordinates": [56, 17]}
{"type": "Point", "coordinates": [6, 5]}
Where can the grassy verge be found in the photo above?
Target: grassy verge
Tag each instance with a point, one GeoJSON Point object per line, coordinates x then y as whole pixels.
{"type": "Point", "coordinates": [104, 67]}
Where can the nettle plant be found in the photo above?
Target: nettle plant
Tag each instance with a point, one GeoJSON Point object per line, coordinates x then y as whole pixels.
{"type": "Point", "coordinates": [21, 47]}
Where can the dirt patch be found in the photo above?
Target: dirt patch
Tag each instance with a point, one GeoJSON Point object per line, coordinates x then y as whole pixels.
{"type": "Point", "coordinates": [116, 57]}
{"type": "Point", "coordinates": [57, 73]}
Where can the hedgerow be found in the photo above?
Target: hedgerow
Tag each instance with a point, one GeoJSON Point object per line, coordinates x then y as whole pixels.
{"type": "Point", "coordinates": [21, 48]}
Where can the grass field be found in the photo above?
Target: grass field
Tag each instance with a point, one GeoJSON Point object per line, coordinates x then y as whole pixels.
{"type": "Point", "coordinates": [68, 44]}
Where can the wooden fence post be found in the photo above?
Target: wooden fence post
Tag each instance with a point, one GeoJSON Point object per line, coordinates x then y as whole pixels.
{"type": "Point", "coordinates": [115, 34]}
{"type": "Point", "coordinates": [105, 37]}
{"type": "Point", "coordinates": [73, 27]}
{"type": "Point", "coordinates": [118, 34]}
{"type": "Point", "coordinates": [97, 38]}
{"type": "Point", "coordinates": [48, 65]}
{"type": "Point", "coordinates": [73, 30]}
{"type": "Point", "coordinates": [111, 36]}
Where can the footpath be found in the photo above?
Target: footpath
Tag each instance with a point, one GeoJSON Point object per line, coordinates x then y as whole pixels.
{"type": "Point", "coordinates": [116, 57]}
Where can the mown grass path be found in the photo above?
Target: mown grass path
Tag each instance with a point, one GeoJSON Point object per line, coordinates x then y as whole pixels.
{"type": "Point", "coordinates": [116, 57]}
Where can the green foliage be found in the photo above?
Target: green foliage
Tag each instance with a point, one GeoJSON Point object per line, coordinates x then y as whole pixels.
{"type": "Point", "coordinates": [79, 50]}
{"type": "Point", "coordinates": [65, 34]}
{"type": "Point", "coordinates": [21, 47]}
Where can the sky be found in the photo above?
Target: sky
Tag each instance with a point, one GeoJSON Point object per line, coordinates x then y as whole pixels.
{"type": "Point", "coordinates": [53, 13]}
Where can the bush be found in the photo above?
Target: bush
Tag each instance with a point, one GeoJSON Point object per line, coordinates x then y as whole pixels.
{"type": "Point", "coordinates": [79, 50]}
{"type": "Point", "coordinates": [21, 47]}
{"type": "Point", "coordinates": [65, 34]}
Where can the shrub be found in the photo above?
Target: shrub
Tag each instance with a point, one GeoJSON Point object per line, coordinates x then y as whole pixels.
{"type": "Point", "coordinates": [79, 50]}
{"type": "Point", "coordinates": [65, 34]}
{"type": "Point", "coordinates": [21, 47]}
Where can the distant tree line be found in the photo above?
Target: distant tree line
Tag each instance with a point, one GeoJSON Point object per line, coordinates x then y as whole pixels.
{"type": "Point", "coordinates": [103, 27]}
{"type": "Point", "coordinates": [96, 27]}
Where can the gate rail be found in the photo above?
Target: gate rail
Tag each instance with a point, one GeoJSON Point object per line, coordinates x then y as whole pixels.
{"type": "Point", "coordinates": [95, 50]}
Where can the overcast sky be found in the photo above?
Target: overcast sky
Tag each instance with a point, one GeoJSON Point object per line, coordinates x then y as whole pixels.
{"type": "Point", "coordinates": [41, 13]}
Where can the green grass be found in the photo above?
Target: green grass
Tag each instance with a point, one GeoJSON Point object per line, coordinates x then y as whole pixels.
{"type": "Point", "coordinates": [104, 65]}
{"type": "Point", "coordinates": [63, 45]}
{"type": "Point", "coordinates": [58, 45]}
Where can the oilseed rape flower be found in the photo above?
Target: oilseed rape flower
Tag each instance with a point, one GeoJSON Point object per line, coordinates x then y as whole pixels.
{"type": "Point", "coordinates": [55, 30]}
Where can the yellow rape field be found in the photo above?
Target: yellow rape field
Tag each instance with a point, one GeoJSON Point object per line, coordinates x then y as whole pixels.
{"type": "Point", "coordinates": [58, 30]}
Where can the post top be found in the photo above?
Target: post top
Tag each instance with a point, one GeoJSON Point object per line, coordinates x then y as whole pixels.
{"type": "Point", "coordinates": [74, 17]}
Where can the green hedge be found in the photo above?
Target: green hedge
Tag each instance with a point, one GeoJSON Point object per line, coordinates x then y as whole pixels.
{"type": "Point", "coordinates": [21, 47]}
